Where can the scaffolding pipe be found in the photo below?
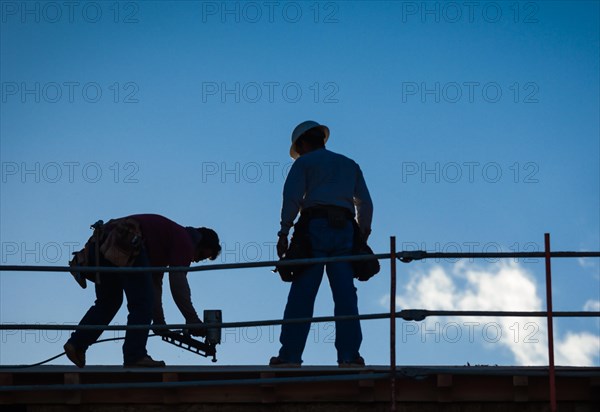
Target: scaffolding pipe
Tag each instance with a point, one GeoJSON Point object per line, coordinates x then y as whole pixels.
{"type": "Point", "coordinates": [550, 323]}
{"type": "Point", "coordinates": [414, 255]}
{"type": "Point", "coordinates": [193, 384]}
{"type": "Point", "coordinates": [406, 314]}
{"type": "Point", "coordinates": [393, 322]}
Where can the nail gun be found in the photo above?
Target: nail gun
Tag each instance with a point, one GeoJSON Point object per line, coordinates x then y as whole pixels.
{"type": "Point", "coordinates": [184, 339]}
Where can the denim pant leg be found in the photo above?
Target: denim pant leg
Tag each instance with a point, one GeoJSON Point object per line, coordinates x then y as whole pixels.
{"type": "Point", "coordinates": [341, 279]}
{"type": "Point", "coordinates": [109, 297]}
{"type": "Point", "coordinates": [139, 290]}
{"type": "Point", "coordinates": [348, 335]}
{"type": "Point", "coordinates": [301, 302]}
{"type": "Point", "coordinates": [325, 241]}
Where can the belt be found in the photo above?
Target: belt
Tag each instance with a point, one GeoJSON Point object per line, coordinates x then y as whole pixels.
{"type": "Point", "coordinates": [324, 212]}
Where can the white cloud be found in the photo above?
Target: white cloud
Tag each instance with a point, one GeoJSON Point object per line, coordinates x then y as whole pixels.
{"type": "Point", "coordinates": [577, 349]}
{"type": "Point", "coordinates": [433, 291]}
{"type": "Point", "coordinates": [592, 305]}
{"type": "Point", "coordinates": [587, 262]}
{"type": "Point", "coordinates": [505, 286]}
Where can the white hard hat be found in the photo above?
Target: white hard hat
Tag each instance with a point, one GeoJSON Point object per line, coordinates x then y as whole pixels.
{"type": "Point", "coordinates": [303, 128]}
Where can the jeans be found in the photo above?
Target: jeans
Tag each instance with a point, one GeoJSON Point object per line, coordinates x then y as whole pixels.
{"type": "Point", "coordinates": [109, 296]}
{"type": "Point", "coordinates": [325, 242]}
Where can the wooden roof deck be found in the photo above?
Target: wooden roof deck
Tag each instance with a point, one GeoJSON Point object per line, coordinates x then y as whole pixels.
{"type": "Point", "coordinates": [312, 387]}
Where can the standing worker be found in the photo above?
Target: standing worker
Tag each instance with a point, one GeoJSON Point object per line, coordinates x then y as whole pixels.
{"type": "Point", "coordinates": [329, 191]}
{"type": "Point", "coordinates": [141, 241]}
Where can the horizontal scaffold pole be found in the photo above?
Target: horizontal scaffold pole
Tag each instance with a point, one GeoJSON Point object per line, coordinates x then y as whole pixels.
{"type": "Point", "coordinates": [403, 256]}
{"type": "Point", "coordinates": [408, 315]}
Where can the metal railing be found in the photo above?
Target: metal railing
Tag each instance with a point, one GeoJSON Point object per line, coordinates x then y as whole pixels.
{"type": "Point", "coordinates": [393, 314]}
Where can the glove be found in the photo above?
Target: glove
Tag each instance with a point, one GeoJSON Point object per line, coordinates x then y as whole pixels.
{"type": "Point", "coordinates": [196, 332]}
{"type": "Point", "coordinates": [282, 246]}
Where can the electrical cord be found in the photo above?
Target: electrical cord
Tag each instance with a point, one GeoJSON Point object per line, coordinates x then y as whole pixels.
{"type": "Point", "coordinates": [61, 354]}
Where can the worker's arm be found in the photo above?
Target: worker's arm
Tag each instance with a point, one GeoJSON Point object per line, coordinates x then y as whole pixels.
{"type": "Point", "coordinates": [293, 193]}
{"type": "Point", "coordinates": [364, 205]}
{"type": "Point", "coordinates": [180, 289]}
{"type": "Point", "coordinates": [159, 314]}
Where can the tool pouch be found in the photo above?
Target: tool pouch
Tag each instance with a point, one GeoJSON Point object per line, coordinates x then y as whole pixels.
{"type": "Point", "coordinates": [123, 243]}
{"type": "Point", "coordinates": [80, 259]}
{"type": "Point", "coordinates": [365, 269]}
{"type": "Point", "coordinates": [300, 248]}
{"type": "Point", "coordinates": [88, 256]}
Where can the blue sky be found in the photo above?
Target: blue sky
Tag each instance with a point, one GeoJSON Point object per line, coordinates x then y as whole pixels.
{"type": "Point", "coordinates": [477, 129]}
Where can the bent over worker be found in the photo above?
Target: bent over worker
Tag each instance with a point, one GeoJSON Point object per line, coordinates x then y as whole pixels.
{"type": "Point", "coordinates": [162, 242]}
{"type": "Point", "coordinates": [178, 246]}
{"type": "Point", "coordinates": [329, 191]}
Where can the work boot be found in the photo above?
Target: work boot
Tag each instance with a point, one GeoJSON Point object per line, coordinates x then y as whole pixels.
{"type": "Point", "coordinates": [359, 362]}
{"type": "Point", "coordinates": [277, 362]}
{"type": "Point", "coordinates": [145, 362]}
{"type": "Point", "coordinates": [77, 356]}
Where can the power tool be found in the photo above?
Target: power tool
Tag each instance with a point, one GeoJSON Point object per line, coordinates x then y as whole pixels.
{"type": "Point", "coordinates": [183, 338]}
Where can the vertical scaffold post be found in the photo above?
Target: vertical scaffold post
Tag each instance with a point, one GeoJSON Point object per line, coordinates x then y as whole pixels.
{"type": "Point", "coordinates": [550, 323]}
{"type": "Point", "coordinates": [393, 322]}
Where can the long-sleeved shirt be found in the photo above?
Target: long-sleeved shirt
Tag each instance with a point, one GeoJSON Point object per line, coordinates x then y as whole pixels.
{"type": "Point", "coordinates": [322, 177]}
{"type": "Point", "coordinates": [169, 244]}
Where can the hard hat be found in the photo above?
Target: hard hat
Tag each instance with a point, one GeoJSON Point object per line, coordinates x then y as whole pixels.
{"type": "Point", "coordinates": [303, 128]}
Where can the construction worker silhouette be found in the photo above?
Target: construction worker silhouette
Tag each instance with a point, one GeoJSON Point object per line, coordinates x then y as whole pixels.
{"type": "Point", "coordinates": [329, 192]}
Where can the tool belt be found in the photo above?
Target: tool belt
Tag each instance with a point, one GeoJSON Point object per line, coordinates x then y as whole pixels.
{"type": "Point", "coordinates": [117, 242]}
{"type": "Point", "coordinates": [300, 245]}
{"type": "Point", "coordinates": [88, 256]}
{"type": "Point", "coordinates": [336, 216]}
{"type": "Point", "coordinates": [123, 242]}
{"type": "Point", "coordinates": [365, 269]}
{"type": "Point", "coordinates": [300, 248]}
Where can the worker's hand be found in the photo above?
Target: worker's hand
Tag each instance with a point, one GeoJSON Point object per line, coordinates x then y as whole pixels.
{"type": "Point", "coordinates": [195, 331]}
{"type": "Point", "coordinates": [282, 246]}
{"type": "Point", "coordinates": [159, 331]}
